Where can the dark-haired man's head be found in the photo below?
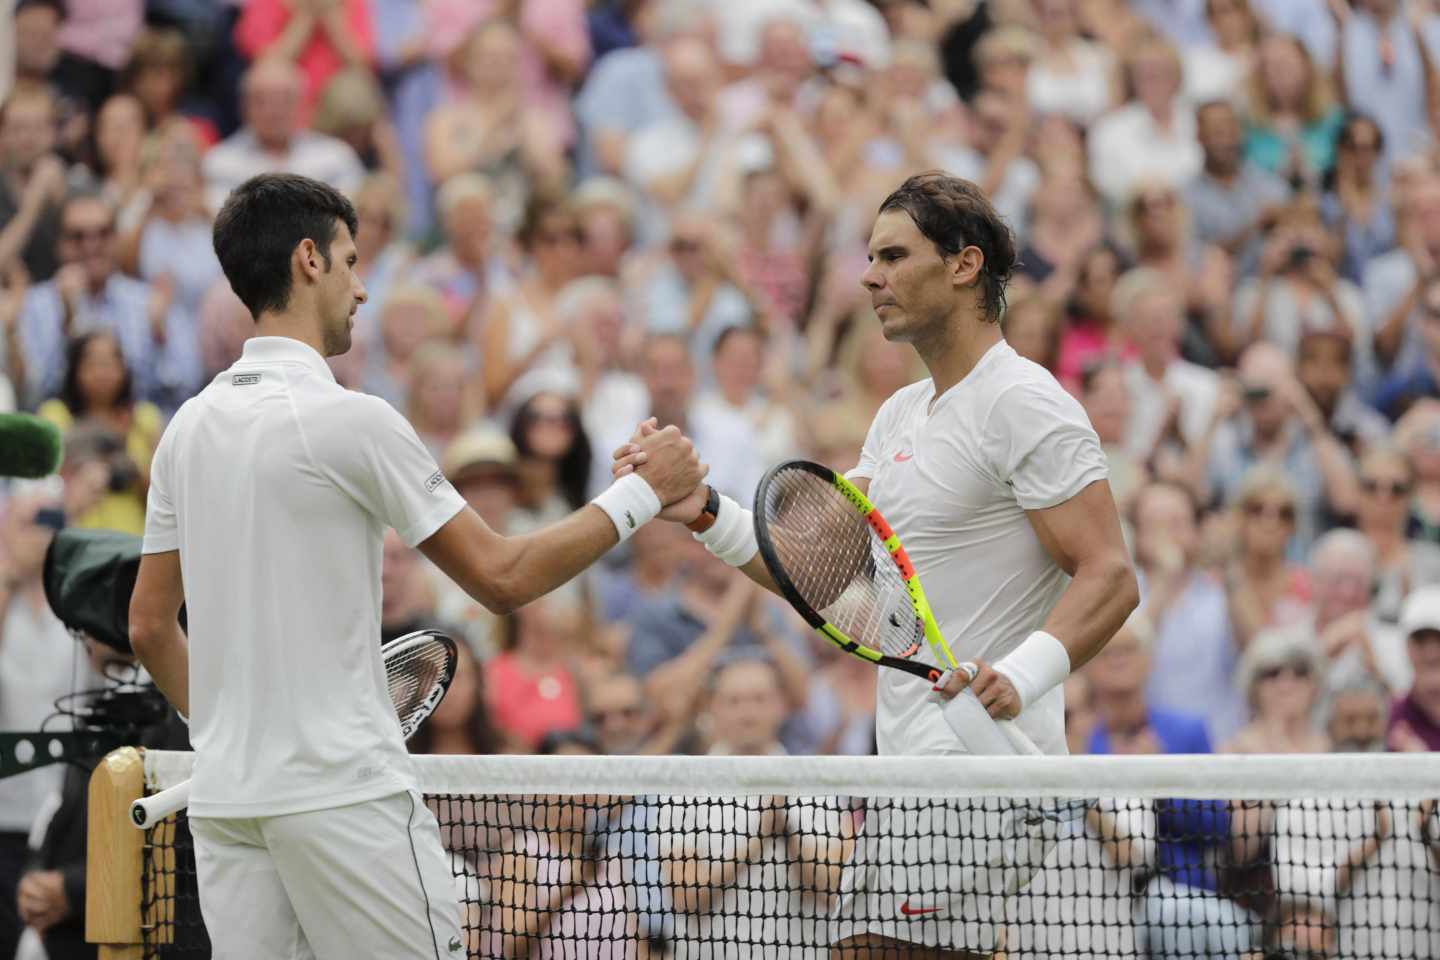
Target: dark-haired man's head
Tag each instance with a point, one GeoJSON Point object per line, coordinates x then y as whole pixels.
{"type": "Point", "coordinates": [938, 251]}
{"type": "Point", "coordinates": [287, 245]}
{"type": "Point", "coordinates": [27, 127]}
{"type": "Point", "coordinates": [1322, 364]}
{"type": "Point", "coordinates": [37, 38]}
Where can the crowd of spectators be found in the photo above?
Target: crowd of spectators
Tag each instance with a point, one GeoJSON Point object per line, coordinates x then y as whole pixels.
{"type": "Point", "coordinates": [574, 216]}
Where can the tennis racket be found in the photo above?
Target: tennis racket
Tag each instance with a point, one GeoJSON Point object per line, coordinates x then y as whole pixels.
{"type": "Point", "coordinates": [418, 667]}
{"type": "Point", "coordinates": [837, 561]}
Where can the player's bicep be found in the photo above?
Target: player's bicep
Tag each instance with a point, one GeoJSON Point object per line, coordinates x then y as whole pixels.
{"type": "Point", "coordinates": [1082, 530]}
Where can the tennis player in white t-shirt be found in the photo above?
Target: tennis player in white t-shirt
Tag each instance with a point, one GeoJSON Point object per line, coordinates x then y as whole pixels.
{"type": "Point", "coordinates": [996, 483]}
{"type": "Point", "coordinates": [269, 498]}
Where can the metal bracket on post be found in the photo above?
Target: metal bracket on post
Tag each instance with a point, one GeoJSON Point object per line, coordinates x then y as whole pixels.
{"type": "Point", "coordinates": [20, 752]}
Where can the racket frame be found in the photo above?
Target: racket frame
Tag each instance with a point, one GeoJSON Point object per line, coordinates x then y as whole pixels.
{"type": "Point", "coordinates": [888, 538]}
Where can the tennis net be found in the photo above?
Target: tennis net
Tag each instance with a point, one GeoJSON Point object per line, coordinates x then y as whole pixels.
{"type": "Point", "coordinates": [1256, 858]}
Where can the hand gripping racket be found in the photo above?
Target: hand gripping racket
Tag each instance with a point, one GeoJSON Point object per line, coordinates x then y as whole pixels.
{"type": "Point", "coordinates": [836, 559]}
{"type": "Point", "coordinates": [418, 666]}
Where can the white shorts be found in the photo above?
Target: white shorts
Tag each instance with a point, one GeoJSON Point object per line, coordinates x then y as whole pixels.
{"type": "Point", "coordinates": [939, 872]}
{"type": "Point", "coordinates": [365, 880]}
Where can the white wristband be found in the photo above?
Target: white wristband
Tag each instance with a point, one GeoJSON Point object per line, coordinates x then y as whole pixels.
{"type": "Point", "coordinates": [732, 536]}
{"type": "Point", "coordinates": [630, 503]}
{"type": "Point", "coordinates": [1034, 668]}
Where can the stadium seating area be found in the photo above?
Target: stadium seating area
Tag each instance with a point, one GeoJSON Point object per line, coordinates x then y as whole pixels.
{"type": "Point", "coordinates": [577, 215]}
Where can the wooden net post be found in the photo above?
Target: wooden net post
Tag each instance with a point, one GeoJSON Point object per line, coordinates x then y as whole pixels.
{"type": "Point", "coordinates": [113, 857]}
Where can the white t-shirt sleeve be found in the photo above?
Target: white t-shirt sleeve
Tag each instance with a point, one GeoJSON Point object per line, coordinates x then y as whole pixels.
{"type": "Point", "coordinates": [1041, 443]}
{"type": "Point", "coordinates": [161, 532]}
{"type": "Point", "coordinates": [372, 453]}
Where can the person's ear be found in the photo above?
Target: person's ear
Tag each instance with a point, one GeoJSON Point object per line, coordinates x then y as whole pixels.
{"type": "Point", "coordinates": [308, 260]}
{"type": "Point", "coordinates": [965, 266]}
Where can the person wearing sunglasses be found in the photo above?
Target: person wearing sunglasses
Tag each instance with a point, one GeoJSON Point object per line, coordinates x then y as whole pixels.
{"type": "Point", "coordinates": [1387, 483]}
{"type": "Point", "coordinates": [1265, 588]}
{"type": "Point", "coordinates": [1279, 676]}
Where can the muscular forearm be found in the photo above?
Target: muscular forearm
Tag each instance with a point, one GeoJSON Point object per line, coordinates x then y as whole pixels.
{"type": "Point", "coordinates": [1094, 606]}
{"type": "Point", "coordinates": [541, 561]}
{"type": "Point", "coordinates": [165, 654]}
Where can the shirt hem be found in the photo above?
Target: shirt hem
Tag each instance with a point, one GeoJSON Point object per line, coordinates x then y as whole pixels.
{"type": "Point", "coordinates": [422, 529]}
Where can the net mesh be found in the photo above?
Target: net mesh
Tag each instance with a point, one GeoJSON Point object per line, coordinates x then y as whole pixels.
{"type": "Point", "coordinates": [835, 561]}
{"type": "Point", "coordinates": [745, 857]}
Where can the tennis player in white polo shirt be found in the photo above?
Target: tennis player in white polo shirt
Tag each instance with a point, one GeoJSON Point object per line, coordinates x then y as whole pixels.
{"type": "Point", "coordinates": [996, 483]}
{"type": "Point", "coordinates": [269, 498]}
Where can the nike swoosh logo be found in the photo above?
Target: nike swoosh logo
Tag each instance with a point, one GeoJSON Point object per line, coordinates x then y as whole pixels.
{"type": "Point", "coordinates": [909, 911]}
{"type": "Point", "coordinates": [902, 457]}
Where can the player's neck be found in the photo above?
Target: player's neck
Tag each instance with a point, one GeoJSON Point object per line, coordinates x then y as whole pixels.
{"type": "Point", "coordinates": [293, 324]}
{"type": "Point", "coordinates": [951, 358]}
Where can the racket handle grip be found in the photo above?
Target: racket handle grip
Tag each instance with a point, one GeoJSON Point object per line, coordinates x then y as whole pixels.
{"type": "Point", "coordinates": [980, 734]}
{"type": "Point", "coordinates": [148, 811]}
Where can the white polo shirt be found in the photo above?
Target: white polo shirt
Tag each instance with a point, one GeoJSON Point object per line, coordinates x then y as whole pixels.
{"type": "Point", "coordinates": [276, 485]}
{"type": "Point", "coordinates": [954, 481]}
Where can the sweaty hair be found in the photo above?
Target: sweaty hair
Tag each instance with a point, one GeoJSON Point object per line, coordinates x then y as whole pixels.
{"type": "Point", "coordinates": [953, 214]}
{"type": "Point", "coordinates": [261, 223]}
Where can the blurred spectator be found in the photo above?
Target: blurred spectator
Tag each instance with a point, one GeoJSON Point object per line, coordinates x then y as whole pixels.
{"type": "Point", "coordinates": [1079, 712]}
{"type": "Point", "coordinates": [1091, 331]}
{"type": "Point", "coordinates": [1280, 425]}
{"type": "Point", "coordinates": [480, 465]}
{"type": "Point", "coordinates": [489, 127]}
{"type": "Point", "coordinates": [12, 352]}
{"type": "Point", "coordinates": [98, 393]}
{"type": "Point", "coordinates": [171, 245]}
{"type": "Point", "coordinates": [606, 210]}
{"type": "Point", "coordinates": [1219, 69]}
{"type": "Point", "coordinates": [625, 719]}
{"type": "Point", "coordinates": [1357, 711]}
{"type": "Point", "coordinates": [1194, 654]}
{"type": "Point", "coordinates": [1065, 224]}
{"type": "Point", "coordinates": [460, 725]}
{"type": "Point", "coordinates": [591, 309]}
{"type": "Point", "coordinates": [462, 269]}
{"type": "Point", "coordinates": [525, 344]}
{"type": "Point", "coordinates": [1419, 377]}
{"type": "Point", "coordinates": [1323, 367]}
{"type": "Point", "coordinates": [1232, 199]}
{"type": "Point", "coordinates": [410, 316]}
{"type": "Point", "coordinates": [1382, 64]}
{"type": "Point", "coordinates": [96, 37]}
{"type": "Point", "coordinates": [119, 142]}
{"type": "Point", "coordinates": [693, 288]}
{"type": "Point", "coordinates": [1265, 588]}
{"type": "Point", "coordinates": [441, 399]}
{"type": "Point", "coordinates": [159, 342]}
{"type": "Point", "coordinates": [32, 181]}
{"type": "Point", "coordinates": [1298, 289]}
{"type": "Point", "coordinates": [159, 70]}
{"type": "Point", "coordinates": [741, 388]}
{"type": "Point", "coordinates": [274, 139]}
{"type": "Point", "coordinates": [1106, 398]}
{"type": "Point", "coordinates": [1415, 717]}
{"type": "Point", "coordinates": [1279, 676]}
{"type": "Point", "coordinates": [36, 656]}
{"type": "Point", "coordinates": [995, 156]}
{"type": "Point", "coordinates": [37, 41]}
{"type": "Point", "coordinates": [383, 255]}
{"type": "Point", "coordinates": [1402, 565]}
{"type": "Point", "coordinates": [1032, 326]}
{"type": "Point", "coordinates": [352, 110]}
{"type": "Point", "coordinates": [319, 36]}
{"type": "Point", "coordinates": [657, 552]}
{"type": "Point", "coordinates": [1170, 396]}
{"type": "Point", "coordinates": [1394, 282]}
{"type": "Point", "coordinates": [554, 463]}
{"type": "Point", "coordinates": [1071, 75]}
{"type": "Point", "coordinates": [1293, 115]}
{"type": "Point", "coordinates": [529, 687]}
{"type": "Point", "coordinates": [1151, 137]}
{"type": "Point", "coordinates": [1358, 201]}
{"type": "Point", "coordinates": [1418, 435]}
{"type": "Point", "coordinates": [1128, 724]}
{"type": "Point", "coordinates": [745, 709]}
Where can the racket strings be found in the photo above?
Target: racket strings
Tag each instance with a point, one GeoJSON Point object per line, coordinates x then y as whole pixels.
{"type": "Point", "coordinates": [838, 564]}
{"type": "Point", "coordinates": [414, 675]}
